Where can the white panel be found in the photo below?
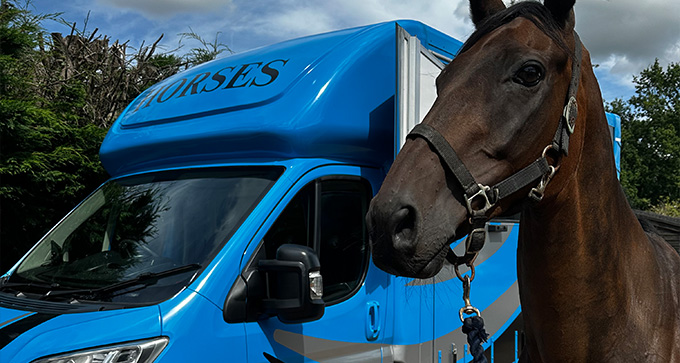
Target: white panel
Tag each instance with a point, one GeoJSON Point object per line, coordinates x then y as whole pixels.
{"type": "Point", "coordinates": [429, 71]}
{"type": "Point", "coordinates": [417, 71]}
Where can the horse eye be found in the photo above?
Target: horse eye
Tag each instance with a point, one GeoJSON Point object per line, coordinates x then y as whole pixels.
{"type": "Point", "coordinates": [529, 75]}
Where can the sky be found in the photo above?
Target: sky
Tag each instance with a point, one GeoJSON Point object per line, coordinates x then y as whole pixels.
{"type": "Point", "coordinates": [623, 36]}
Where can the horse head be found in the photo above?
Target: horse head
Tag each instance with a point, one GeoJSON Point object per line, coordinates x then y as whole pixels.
{"type": "Point", "coordinates": [500, 108]}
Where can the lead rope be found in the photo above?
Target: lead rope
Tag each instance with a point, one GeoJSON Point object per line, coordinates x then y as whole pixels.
{"type": "Point", "coordinates": [473, 325]}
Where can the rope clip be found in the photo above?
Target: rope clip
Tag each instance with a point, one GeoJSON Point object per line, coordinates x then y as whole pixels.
{"type": "Point", "coordinates": [468, 309]}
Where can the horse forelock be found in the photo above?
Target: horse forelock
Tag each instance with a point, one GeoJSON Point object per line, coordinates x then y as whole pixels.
{"type": "Point", "coordinates": [531, 10]}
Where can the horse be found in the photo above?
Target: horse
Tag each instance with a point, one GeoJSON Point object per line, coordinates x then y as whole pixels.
{"type": "Point", "coordinates": [519, 125]}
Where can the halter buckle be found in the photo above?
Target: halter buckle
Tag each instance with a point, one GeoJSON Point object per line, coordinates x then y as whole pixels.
{"type": "Point", "coordinates": [570, 114]}
{"type": "Point", "coordinates": [536, 193]}
{"type": "Point", "coordinates": [483, 192]}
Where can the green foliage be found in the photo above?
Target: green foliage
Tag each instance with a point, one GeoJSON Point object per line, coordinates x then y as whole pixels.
{"type": "Point", "coordinates": [650, 161]}
{"type": "Point", "coordinates": [48, 150]}
{"type": "Point", "coordinates": [17, 36]}
{"type": "Point", "coordinates": [46, 167]}
{"type": "Point", "coordinates": [667, 207]}
{"type": "Point", "coordinates": [58, 96]}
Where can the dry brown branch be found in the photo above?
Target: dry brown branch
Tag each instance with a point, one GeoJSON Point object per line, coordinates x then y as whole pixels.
{"type": "Point", "coordinates": [109, 74]}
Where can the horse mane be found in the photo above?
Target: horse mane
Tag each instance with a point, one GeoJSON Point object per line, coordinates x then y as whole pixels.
{"type": "Point", "coordinates": [531, 10]}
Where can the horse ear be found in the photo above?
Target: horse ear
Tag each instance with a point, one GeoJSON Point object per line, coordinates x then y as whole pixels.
{"type": "Point", "coordinates": [482, 9]}
{"type": "Point", "coordinates": [562, 11]}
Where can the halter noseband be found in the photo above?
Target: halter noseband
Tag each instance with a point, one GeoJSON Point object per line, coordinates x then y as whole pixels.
{"type": "Point", "coordinates": [489, 196]}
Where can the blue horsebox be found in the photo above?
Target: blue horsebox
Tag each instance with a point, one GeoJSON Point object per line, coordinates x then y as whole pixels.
{"type": "Point", "coordinates": [232, 228]}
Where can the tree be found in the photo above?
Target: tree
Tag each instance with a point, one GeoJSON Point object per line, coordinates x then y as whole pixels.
{"type": "Point", "coordinates": [46, 164]}
{"type": "Point", "coordinates": [58, 96]}
{"type": "Point", "coordinates": [650, 162]}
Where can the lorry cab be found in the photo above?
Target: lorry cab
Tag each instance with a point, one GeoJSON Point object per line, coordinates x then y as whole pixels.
{"type": "Point", "coordinates": [232, 228]}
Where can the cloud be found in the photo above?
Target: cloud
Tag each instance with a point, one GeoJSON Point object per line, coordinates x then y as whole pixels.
{"type": "Point", "coordinates": [167, 8]}
{"type": "Point", "coordinates": [628, 35]}
{"type": "Point", "coordinates": [632, 30]}
{"type": "Point", "coordinates": [623, 36]}
{"type": "Point", "coordinates": [636, 29]}
{"type": "Point", "coordinates": [287, 19]}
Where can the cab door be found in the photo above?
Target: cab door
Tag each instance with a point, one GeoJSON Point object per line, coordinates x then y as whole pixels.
{"type": "Point", "coordinates": [325, 210]}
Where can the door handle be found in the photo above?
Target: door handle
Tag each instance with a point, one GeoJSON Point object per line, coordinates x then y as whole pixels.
{"type": "Point", "coordinates": [372, 320]}
{"type": "Point", "coordinates": [497, 228]}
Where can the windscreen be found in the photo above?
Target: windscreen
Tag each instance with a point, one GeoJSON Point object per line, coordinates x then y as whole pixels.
{"type": "Point", "coordinates": [142, 238]}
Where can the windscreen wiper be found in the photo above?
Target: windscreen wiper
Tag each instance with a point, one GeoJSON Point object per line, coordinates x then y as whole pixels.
{"type": "Point", "coordinates": [16, 286]}
{"type": "Point", "coordinates": [145, 279]}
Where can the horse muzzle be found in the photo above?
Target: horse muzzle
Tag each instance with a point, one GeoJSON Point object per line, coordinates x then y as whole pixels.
{"type": "Point", "coordinates": [398, 244]}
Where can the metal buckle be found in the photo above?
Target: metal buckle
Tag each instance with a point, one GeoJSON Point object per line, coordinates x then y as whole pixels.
{"type": "Point", "coordinates": [461, 277]}
{"type": "Point", "coordinates": [570, 113]}
{"type": "Point", "coordinates": [536, 193]}
{"type": "Point", "coordinates": [483, 190]}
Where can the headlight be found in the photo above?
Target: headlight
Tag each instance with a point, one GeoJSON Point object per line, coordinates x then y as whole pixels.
{"type": "Point", "coordinates": [143, 351]}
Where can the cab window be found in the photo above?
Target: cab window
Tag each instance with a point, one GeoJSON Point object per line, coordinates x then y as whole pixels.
{"type": "Point", "coordinates": [328, 216]}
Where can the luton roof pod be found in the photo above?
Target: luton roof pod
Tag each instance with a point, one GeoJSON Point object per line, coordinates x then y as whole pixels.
{"type": "Point", "coordinates": [324, 96]}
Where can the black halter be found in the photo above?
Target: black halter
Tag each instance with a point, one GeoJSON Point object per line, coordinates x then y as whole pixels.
{"type": "Point", "coordinates": [477, 194]}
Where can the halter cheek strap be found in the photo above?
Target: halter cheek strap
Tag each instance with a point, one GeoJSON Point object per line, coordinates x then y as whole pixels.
{"type": "Point", "coordinates": [481, 198]}
{"type": "Point", "coordinates": [568, 120]}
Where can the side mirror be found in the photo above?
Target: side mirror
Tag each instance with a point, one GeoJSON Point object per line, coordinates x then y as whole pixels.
{"type": "Point", "coordinates": [295, 284]}
{"type": "Point", "coordinates": [290, 287]}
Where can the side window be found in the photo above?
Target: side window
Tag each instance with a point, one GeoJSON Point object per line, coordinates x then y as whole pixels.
{"type": "Point", "coordinates": [294, 224]}
{"type": "Point", "coordinates": [328, 215]}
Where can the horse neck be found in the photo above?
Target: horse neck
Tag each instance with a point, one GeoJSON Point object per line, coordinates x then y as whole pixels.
{"type": "Point", "coordinates": [584, 203]}
{"type": "Point", "coordinates": [579, 239]}
{"type": "Point", "coordinates": [580, 256]}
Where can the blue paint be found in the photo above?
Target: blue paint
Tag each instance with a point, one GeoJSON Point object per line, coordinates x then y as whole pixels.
{"type": "Point", "coordinates": [373, 322]}
{"type": "Point", "coordinates": [614, 122]}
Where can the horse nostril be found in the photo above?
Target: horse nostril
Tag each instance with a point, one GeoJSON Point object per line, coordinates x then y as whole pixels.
{"type": "Point", "coordinates": [404, 221]}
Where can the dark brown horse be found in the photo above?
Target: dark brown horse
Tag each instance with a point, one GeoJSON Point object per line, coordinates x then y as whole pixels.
{"type": "Point", "coordinates": [594, 286]}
